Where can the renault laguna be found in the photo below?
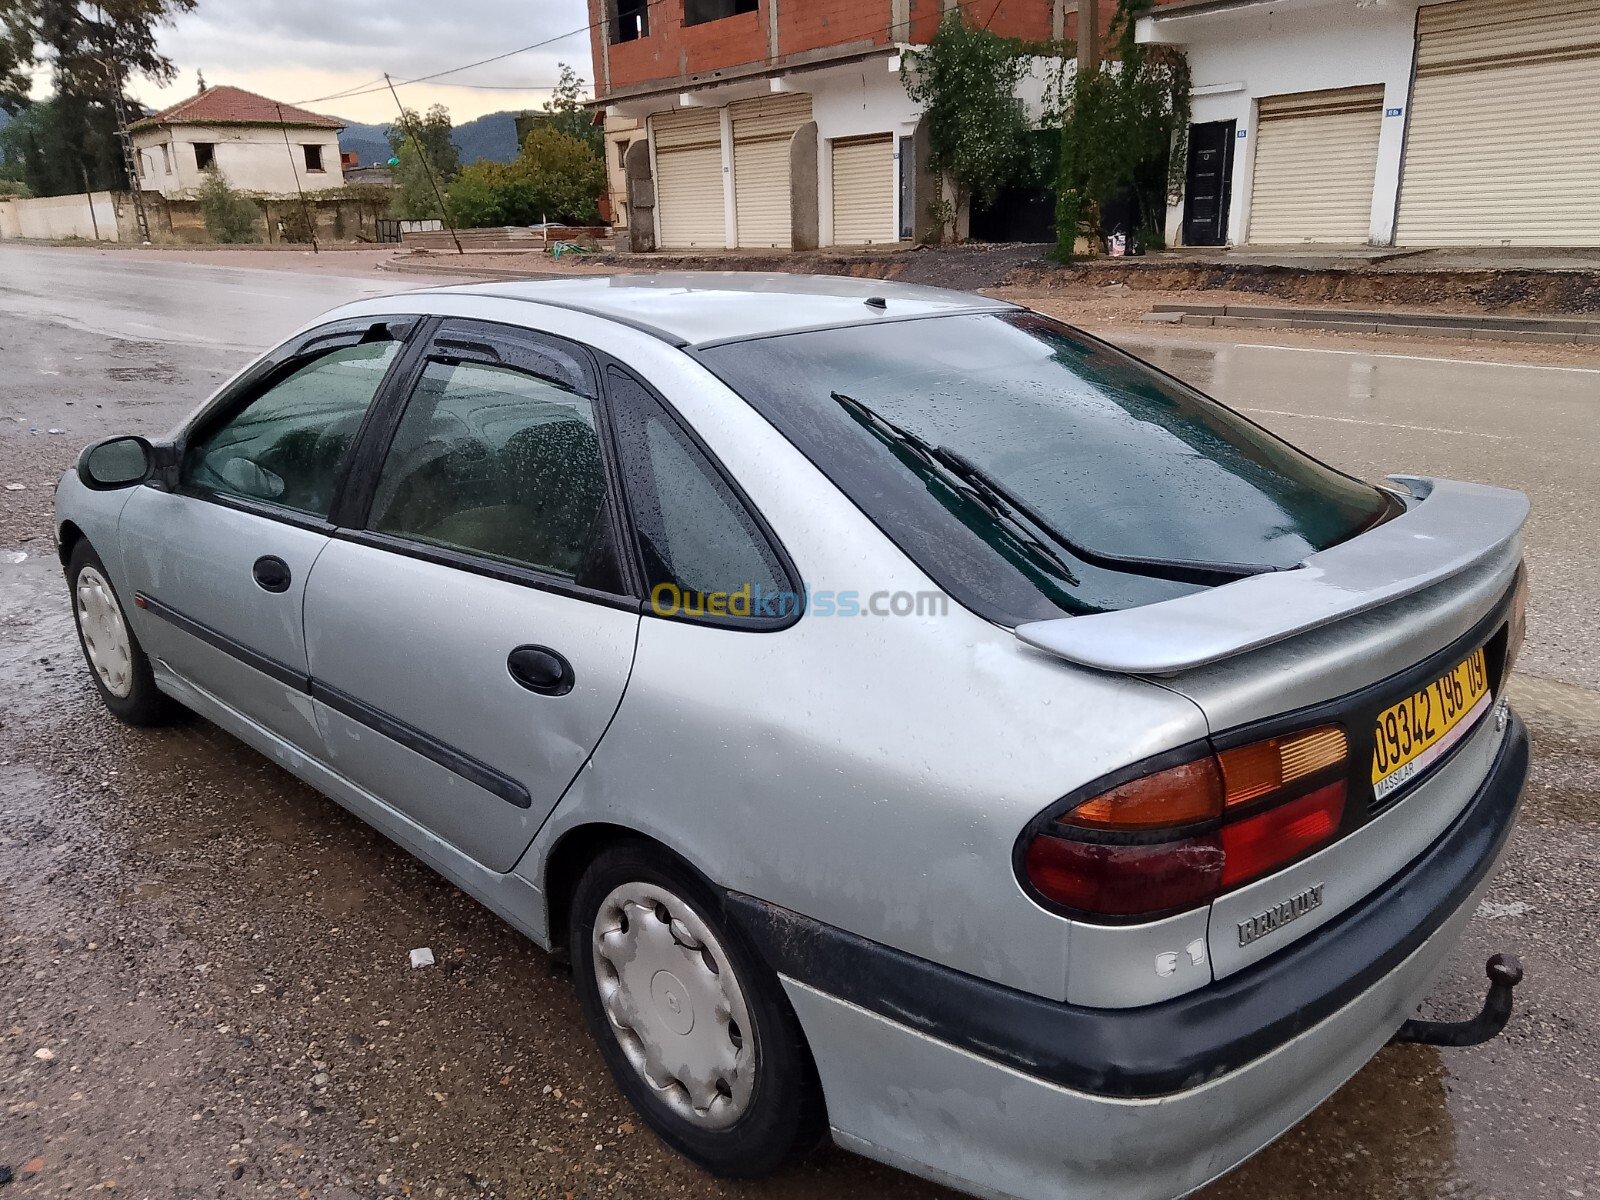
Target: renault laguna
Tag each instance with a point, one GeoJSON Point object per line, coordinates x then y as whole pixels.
{"type": "Point", "coordinates": [922, 724]}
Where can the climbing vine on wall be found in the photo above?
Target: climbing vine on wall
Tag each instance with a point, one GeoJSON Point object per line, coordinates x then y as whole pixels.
{"type": "Point", "coordinates": [966, 81]}
{"type": "Point", "coordinates": [1124, 140]}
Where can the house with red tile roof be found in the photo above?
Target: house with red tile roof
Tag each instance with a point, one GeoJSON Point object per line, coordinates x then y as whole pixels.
{"type": "Point", "coordinates": [259, 144]}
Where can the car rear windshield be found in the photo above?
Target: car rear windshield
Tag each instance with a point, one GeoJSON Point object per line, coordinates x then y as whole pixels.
{"type": "Point", "coordinates": [1032, 471]}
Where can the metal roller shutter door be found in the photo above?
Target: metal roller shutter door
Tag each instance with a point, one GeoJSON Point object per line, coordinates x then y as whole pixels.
{"type": "Point", "coordinates": [1316, 162]}
{"type": "Point", "coordinates": [689, 208]}
{"type": "Point", "coordinates": [762, 130]}
{"type": "Point", "coordinates": [863, 192]}
{"type": "Point", "coordinates": [1501, 146]}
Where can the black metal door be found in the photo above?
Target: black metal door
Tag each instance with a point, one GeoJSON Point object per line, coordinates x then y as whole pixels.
{"type": "Point", "coordinates": [1210, 184]}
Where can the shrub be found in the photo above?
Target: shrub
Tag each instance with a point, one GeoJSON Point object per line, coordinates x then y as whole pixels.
{"type": "Point", "coordinates": [230, 217]}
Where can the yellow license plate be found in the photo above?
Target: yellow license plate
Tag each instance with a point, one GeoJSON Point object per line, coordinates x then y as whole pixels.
{"type": "Point", "coordinates": [1417, 732]}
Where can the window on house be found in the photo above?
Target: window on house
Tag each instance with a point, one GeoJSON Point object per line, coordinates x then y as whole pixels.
{"type": "Point", "coordinates": [631, 20]}
{"type": "Point", "coordinates": [205, 155]}
{"type": "Point", "coordinates": [622, 153]}
{"type": "Point", "coordinates": [313, 158]}
{"type": "Point", "coordinates": [698, 12]}
{"type": "Point", "coordinates": [166, 159]}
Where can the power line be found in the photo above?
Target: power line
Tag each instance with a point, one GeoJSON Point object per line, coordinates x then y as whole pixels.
{"type": "Point", "coordinates": [560, 37]}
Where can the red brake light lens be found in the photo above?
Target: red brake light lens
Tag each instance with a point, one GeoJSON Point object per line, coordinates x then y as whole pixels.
{"type": "Point", "coordinates": [1126, 881]}
{"type": "Point", "coordinates": [1279, 835]}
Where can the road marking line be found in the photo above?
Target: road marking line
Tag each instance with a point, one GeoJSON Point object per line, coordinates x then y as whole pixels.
{"type": "Point", "coordinates": [1459, 362]}
{"type": "Point", "coordinates": [1276, 412]}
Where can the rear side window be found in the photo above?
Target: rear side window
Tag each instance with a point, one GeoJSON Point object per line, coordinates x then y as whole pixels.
{"type": "Point", "coordinates": [1034, 472]}
{"type": "Point", "coordinates": [287, 445]}
{"type": "Point", "coordinates": [703, 553]}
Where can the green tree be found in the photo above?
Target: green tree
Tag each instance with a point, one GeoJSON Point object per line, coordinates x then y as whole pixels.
{"type": "Point", "coordinates": [966, 81]}
{"type": "Point", "coordinates": [557, 177]}
{"type": "Point", "coordinates": [1124, 132]}
{"type": "Point", "coordinates": [56, 145]}
{"type": "Point", "coordinates": [230, 217]}
{"type": "Point", "coordinates": [92, 49]}
{"type": "Point", "coordinates": [415, 198]}
{"type": "Point", "coordinates": [570, 116]}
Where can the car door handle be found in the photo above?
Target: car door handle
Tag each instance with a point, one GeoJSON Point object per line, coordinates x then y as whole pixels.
{"type": "Point", "coordinates": [540, 669]}
{"type": "Point", "coordinates": [272, 574]}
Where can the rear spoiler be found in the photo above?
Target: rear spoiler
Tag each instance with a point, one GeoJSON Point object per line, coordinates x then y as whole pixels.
{"type": "Point", "coordinates": [1449, 528]}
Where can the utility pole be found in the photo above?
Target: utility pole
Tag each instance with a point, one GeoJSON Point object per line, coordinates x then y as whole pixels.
{"type": "Point", "coordinates": [305, 209]}
{"type": "Point", "coordinates": [1088, 36]}
{"type": "Point", "coordinates": [426, 165]}
{"type": "Point", "coordinates": [130, 160]}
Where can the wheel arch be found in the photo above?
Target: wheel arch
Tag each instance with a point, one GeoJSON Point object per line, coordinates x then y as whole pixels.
{"type": "Point", "coordinates": [68, 535]}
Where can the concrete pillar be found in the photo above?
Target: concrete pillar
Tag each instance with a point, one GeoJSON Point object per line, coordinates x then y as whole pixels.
{"type": "Point", "coordinates": [805, 198]}
{"type": "Point", "coordinates": [1088, 35]}
{"type": "Point", "coordinates": [899, 20]}
{"type": "Point", "coordinates": [641, 197]}
{"type": "Point", "coordinates": [730, 202]}
{"type": "Point", "coordinates": [1391, 148]}
{"type": "Point", "coordinates": [924, 187]}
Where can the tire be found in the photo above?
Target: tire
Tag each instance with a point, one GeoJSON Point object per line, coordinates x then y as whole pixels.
{"type": "Point", "coordinates": [766, 1108]}
{"type": "Point", "coordinates": [117, 663]}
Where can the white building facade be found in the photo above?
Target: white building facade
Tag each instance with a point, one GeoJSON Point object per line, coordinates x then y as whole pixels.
{"type": "Point", "coordinates": [1387, 122]}
{"type": "Point", "coordinates": [259, 145]}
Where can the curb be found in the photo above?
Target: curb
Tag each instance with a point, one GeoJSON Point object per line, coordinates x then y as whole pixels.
{"type": "Point", "coordinates": [1575, 330]}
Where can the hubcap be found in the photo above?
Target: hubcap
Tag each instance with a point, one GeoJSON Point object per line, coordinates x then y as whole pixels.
{"type": "Point", "coordinates": [105, 633]}
{"type": "Point", "coordinates": [674, 1004]}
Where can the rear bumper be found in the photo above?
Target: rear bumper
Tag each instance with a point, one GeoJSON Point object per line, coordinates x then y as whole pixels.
{"type": "Point", "coordinates": [1012, 1095]}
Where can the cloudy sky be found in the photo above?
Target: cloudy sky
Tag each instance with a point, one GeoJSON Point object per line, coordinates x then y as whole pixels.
{"type": "Point", "coordinates": [302, 50]}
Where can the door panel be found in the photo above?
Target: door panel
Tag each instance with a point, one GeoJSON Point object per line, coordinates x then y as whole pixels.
{"type": "Point", "coordinates": [208, 619]}
{"type": "Point", "coordinates": [489, 548]}
{"type": "Point", "coordinates": [426, 645]}
{"type": "Point", "coordinates": [1210, 184]}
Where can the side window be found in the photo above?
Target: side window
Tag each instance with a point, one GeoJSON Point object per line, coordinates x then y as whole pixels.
{"type": "Point", "coordinates": [703, 553]}
{"type": "Point", "coordinates": [499, 461]}
{"type": "Point", "coordinates": [286, 446]}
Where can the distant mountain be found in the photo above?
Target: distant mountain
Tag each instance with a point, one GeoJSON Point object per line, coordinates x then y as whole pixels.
{"type": "Point", "coordinates": [493, 137]}
{"type": "Point", "coordinates": [371, 142]}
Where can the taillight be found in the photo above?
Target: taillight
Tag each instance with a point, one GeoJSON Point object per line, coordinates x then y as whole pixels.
{"type": "Point", "coordinates": [1178, 837]}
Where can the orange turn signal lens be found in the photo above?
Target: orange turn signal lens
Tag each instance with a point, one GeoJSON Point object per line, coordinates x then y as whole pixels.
{"type": "Point", "coordinates": [1178, 796]}
{"type": "Point", "coordinates": [1261, 768]}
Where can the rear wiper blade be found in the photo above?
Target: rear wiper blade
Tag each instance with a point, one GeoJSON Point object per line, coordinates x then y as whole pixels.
{"type": "Point", "coordinates": [998, 497]}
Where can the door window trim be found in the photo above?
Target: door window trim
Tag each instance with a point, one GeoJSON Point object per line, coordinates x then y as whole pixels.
{"type": "Point", "coordinates": [272, 370]}
{"type": "Point", "coordinates": [353, 508]}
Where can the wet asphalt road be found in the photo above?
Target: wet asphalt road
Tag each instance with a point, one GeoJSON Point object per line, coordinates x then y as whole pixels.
{"type": "Point", "coordinates": [213, 958]}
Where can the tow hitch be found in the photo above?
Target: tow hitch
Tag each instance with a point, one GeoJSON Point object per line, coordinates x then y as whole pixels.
{"type": "Point", "coordinates": [1505, 972]}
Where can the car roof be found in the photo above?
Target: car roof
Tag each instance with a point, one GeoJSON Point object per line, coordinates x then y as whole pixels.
{"type": "Point", "coordinates": [696, 308]}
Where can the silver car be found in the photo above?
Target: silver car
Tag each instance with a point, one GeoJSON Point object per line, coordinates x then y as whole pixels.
{"type": "Point", "coordinates": [922, 724]}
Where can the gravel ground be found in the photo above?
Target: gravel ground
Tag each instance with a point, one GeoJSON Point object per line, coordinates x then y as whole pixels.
{"type": "Point", "coordinates": [204, 986]}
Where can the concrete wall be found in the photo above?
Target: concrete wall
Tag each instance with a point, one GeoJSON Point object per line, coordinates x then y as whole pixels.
{"type": "Point", "coordinates": [253, 157]}
{"type": "Point", "coordinates": [179, 222]}
{"type": "Point", "coordinates": [1240, 55]}
{"type": "Point", "coordinates": [57, 217]}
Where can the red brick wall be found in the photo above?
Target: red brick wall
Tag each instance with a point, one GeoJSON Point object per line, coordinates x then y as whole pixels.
{"type": "Point", "coordinates": [817, 24]}
{"type": "Point", "coordinates": [804, 26]}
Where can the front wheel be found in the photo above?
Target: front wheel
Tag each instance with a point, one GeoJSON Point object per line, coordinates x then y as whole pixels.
{"type": "Point", "coordinates": [695, 1028]}
{"type": "Point", "coordinates": [117, 664]}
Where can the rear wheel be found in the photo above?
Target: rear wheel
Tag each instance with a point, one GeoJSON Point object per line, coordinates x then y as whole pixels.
{"type": "Point", "coordinates": [693, 1025]}
{"type": "Point", "coordinates": [117, 664]}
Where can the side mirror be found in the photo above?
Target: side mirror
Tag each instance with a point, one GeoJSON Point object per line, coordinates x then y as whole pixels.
{"type": "Point", "coordinates": [120, 462]}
